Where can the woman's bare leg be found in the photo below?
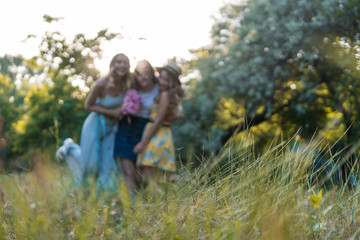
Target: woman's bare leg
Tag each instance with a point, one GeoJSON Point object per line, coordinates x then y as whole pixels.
{"type": "Point", "coordinates": [149, 174]}
{"type": "Point", "coordinates": [129, 170]}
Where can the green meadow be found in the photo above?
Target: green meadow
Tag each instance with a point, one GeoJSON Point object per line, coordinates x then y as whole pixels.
{"type": "Point", "coordinates": [237, 194]}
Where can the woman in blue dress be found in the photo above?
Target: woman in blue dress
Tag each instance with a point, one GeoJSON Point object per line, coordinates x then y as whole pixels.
{"type": "Point", "coordinates": [98, 131]}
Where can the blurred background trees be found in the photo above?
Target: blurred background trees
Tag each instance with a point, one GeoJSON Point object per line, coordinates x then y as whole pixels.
{"type": "Point", "coordinates": [274, 66]}
{"type": "Point", "coordinates": [42, 97]}
{"type": "Point", "coordinates": [279, 66]}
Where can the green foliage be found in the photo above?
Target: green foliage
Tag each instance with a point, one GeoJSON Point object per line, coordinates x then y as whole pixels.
{"type": "Point", "coordinates": [193, 131]}
{"type": "Point", "coordinates": [46, 105]}
{"type": "Point", "coordinates": [75, 59]}
{"type": "Point", "coordinates": [13, 88]}
{"type": "Point", "coordinates": [292, 63]}
{"type": "Point", "coordinates": [51, 105]}
{"type": "Point", "coordinates": [8, 111]}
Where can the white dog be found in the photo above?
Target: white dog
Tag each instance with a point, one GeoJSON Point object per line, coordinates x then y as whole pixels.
{"type": "Point", "coordinates": [70, 152]}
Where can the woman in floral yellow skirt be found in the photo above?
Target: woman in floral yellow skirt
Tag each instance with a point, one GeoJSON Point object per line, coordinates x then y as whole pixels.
{"type": "Point", "coordinates": [156, 149]}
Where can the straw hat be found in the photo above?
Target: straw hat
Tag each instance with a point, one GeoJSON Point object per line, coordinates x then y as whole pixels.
{"type": "Point", "coordinates": [172, 68]}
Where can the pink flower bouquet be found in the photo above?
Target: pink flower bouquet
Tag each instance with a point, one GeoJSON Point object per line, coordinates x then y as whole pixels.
{"type": "Point", "coordinates": [132, 102]}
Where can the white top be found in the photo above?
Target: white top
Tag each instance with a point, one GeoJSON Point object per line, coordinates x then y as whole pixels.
{"type": "Point", "coordinates": [148, 100]}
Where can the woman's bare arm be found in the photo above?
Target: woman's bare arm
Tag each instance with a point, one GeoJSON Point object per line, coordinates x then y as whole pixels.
{"type": "Point", "coordinates": [160, 117]}
{"type": "Point", "coordinates": [92, 97]}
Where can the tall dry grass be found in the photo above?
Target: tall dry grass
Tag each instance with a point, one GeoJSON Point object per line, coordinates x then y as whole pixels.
{"type": "Point", "coordinates": [237, 194]}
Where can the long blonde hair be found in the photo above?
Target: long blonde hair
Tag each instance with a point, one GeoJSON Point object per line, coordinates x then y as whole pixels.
{"type": "Point", "coordinates": [143, 67]}
{"type": "Point", "coordinates": [128, 78]}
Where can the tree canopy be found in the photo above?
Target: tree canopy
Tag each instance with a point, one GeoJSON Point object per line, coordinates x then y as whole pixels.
{"type": "Point", "coordinates": [291, 64]}
{"type": "Point", "coordinates": [49, 99]}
